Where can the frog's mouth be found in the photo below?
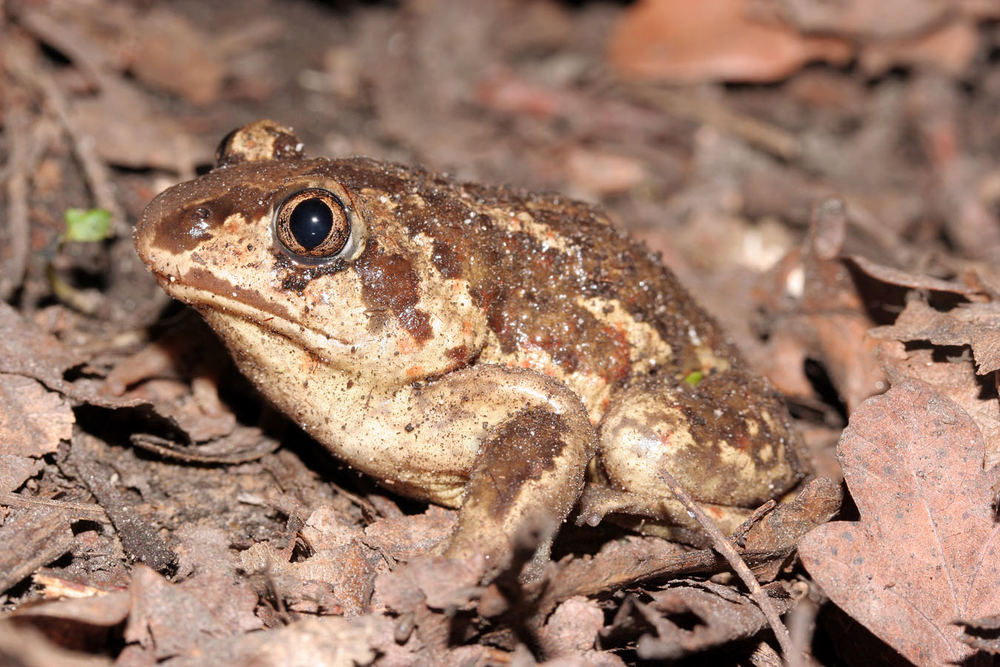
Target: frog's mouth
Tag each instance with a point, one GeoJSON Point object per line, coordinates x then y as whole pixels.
{"type": "Point", "coordinates": [210, 296]}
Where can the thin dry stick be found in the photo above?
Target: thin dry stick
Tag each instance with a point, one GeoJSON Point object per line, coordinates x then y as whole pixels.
{"type": "Point", "coordinates": [78, 510]}
{"type": "Point", "coordinates": [94, 170]}
{"type": "Point", "coordinates": [769, 137]}
{"type": "Point", "coordinates": [16, 122]}
{"type": "Point", "coordinates": [83, 144]}
{"type": "Point", "coordinates": [725, 548]}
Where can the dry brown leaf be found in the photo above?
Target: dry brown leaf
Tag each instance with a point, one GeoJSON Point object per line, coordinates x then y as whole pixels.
{"type": "Point", "coordinates": [331, 640]}
{"type": "Point", "coordinates": [245, 443]}
{"type": "Point", "coordinates": [433, 581]}
{"type": "Point", "coordinates": [572, 629]}
{"type": "Point", "coordinates": [848, 354]}
{"type": "Point", "coordinates": [340, 559]}
{"type": "Point", "coordinates": [820, 315]}
{"type": "Point", "coordinates": [96, 42]}
{"type": "Point", "coordinates": [199, 420]}
{"type": "Point", "coordinates": [33, 420]}
{"type": "Point", "coordinates": [895, 33]}
{"type": "Point", "coordinates": [176, 56]}
{"type": "Point", "coordinates": [712, 40]}
{"type": "Point", "coordinates": [14, 470]}
{"type": "Point", "coordinates": [974, 324]}
{"type": "Point", "coordinates": [308, 587]}
{"type": "Point", "coordinates": [982, 9]}
{"type": "Point", "coordinates": [193, 406]}
{"type": "Point", "coordinates": [168, 619]}
{"type": "Point", "coordinates": [28, 647]}
{"type": "Point", "coordinates": [335, 579]}
{"type": "Point", "coordinates": [26, 350]}
{"type": "Point", "coordinates": [95, 610]}
{"type": "Point", "coordinates": [141, 137]}
{"type": "Point", "coordinates": [31, 538]}
{"type": "Point", "coordinates": [900, 278]}
{"type": "Point", "coordinates": [954, 378]}
{"type": "Point", "coordinates": [779, 530]}
{"type": "Point", "coordinates": [886, 18]}
{"type": "Point", "coordinates": [616, 564]}
{"type": "Point", "coordinates": [721, 614]}
{"type": "Point", "coordinates": [926, 550]}
{"type": "Point", "coordinates": [950, 49]}
{"type": "Point", "coordinates": [405, 537]}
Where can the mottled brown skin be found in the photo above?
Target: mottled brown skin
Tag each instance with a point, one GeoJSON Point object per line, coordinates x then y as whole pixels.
{"type": "Point", "coordinates": [472, 345]}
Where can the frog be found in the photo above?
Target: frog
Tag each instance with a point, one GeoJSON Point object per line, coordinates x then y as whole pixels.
{"type": "Point", "coordinates": [507, 353]}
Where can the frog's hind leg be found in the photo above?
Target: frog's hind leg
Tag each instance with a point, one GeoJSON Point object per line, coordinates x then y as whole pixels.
{"type": "Point", "coordinates": [726, 439]}
{"type": "Point", "coordinates": [533, 440]}
{"type": "Point", "coordinates": [526, 478]}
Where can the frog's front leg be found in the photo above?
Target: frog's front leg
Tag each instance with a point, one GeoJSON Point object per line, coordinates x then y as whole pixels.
{"type": "Point", "coordinates": [726, 439]}
{"type": "Point", "coordinates": [533, 441]}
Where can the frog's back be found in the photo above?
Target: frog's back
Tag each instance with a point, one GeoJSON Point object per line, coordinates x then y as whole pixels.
{"type": "Point", "coordinates": [563, 290]}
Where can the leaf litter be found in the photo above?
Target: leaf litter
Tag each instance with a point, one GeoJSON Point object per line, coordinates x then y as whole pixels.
{"type": "Point", "coordinates": [275, 555]}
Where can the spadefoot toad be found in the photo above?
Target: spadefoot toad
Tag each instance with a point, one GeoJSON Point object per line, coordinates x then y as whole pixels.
{"type": "Point", "coordinates": [480, 347]}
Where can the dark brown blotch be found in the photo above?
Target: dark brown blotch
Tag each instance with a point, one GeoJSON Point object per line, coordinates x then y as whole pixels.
{"type": "Point", "coordinates": [296, 277]}
{"type": "Point", "coordinates": [523, 449]}
{"type": "Point", "coordinates": [389, 283]}
{"type": "Point", "coordinates": [205, 281]}
{"type": "Point", "coordinates": [447, 260]}
{"type": "Point", "coordinates": [189, 223]}
{"type": "Point", "coordinates": [527, 287]}
{"type": "Point", "coordinates": [521, 298]}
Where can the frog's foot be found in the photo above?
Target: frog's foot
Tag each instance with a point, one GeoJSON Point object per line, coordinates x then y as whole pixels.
{"type": "Point", "coordinates": [654, 515]}
{"type": "Point", "coordinates": [525, 479]}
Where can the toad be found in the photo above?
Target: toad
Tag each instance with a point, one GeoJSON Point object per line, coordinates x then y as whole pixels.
{"type": "Point", "coordinates": [485, 348]}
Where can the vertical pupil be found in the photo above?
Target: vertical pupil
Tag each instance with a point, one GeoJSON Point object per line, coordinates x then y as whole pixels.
{"type": "Point", "coordinates": [310, 222]}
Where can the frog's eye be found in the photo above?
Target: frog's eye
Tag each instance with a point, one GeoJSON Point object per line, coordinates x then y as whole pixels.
{"type": "Point", "coordinates": [313, 224]}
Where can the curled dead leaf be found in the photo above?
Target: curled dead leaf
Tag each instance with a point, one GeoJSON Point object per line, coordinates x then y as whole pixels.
{"type": "Point", "coordinates": [926, 550]}
{"type": "Point", "coordinates": [975, 324]}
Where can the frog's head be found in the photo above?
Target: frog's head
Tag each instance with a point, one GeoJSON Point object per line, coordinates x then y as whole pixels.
{"type": "Point", "coordinates": [277, 250]}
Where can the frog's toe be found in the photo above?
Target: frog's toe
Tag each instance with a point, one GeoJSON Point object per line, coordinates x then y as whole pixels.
{"type": "Point", "coordinates": [654, 514]}
{"type": "Point", "coordinates": [596, 502]}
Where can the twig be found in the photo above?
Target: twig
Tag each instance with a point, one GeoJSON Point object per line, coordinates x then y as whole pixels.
{"type": "Point", "coordinates": [726, 550]}
{"type": "Point", "coordinates": [621, 564]}
{"type": "Point", "coordinates": [93, 168]}
{"type": "Point", "coordinates": [90, 511]}
{"type": "Point", "coordinates": [769, 137]}
{"type": "Point", "coordinates": [16, 122]}
{"type": "Point", "coordinates": [95, 172]}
